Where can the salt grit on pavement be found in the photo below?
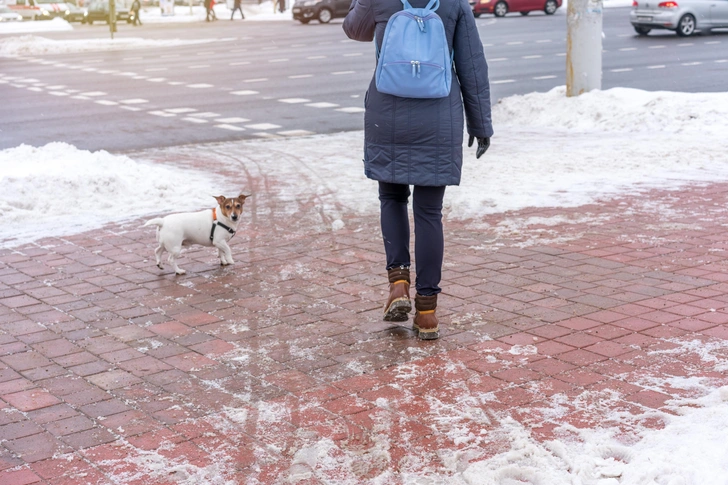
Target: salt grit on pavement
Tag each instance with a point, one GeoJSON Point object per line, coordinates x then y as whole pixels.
{"type": "Point", "coordinates": [584, 313]}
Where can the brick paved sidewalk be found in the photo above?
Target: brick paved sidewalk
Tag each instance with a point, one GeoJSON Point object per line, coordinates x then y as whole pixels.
{"type": "Point", "coordinates": [280, 370]}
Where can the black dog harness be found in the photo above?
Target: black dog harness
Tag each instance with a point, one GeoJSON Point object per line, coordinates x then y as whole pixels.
{"type": "Point", "coordinates": [216, 223]}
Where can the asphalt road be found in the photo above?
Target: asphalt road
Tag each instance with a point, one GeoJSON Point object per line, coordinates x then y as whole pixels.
{"type": "Point", "coordinates": [267, 79]}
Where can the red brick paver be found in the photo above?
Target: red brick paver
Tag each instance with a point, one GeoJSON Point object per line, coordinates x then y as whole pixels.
{"type": "Point", "coordinates": [279, 368]}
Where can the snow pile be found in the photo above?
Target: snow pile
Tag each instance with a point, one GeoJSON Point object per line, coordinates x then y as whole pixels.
{"type": "Point", "coordinates": [534, 161]}
{"type": "Point", "coordinates": [35, 45]}
{"type": "Point", "coordinates": [59, 190]}
{"type": "Point", "coordinates": [617, 110]}
{"type": "Point", "coordinates": [54, 25]}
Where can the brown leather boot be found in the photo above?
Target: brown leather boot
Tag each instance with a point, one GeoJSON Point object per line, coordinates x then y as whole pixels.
{"type": "Point", "coordinates": [398, 304]}
{"type": "Point", "coordinates": [425, 323]}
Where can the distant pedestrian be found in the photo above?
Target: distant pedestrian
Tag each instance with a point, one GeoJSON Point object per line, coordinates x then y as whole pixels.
{"type": "Point", "coordinates": [281, 6]}
{"type": "Point", "coordinates": [410, 141]}
{"type": "Point", "coordinates": [209, 10]}
{"type": "Point", "coordinates": [236, 6]}
{"type": "Point", "coordinates": [135, 7]}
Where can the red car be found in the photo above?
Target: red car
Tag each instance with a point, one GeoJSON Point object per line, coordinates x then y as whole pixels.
{"type": "Point", "coordinates": [501, 7]}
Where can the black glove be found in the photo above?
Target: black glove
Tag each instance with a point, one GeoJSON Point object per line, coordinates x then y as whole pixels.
{"type": "Point", "coordinates": [483, 144]}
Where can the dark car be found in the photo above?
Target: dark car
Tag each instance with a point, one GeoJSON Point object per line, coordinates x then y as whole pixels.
{"type": "Point", "coordinates": [98, 10]}
{"type": "Point", "coordinates": [322, 10]}
{"type": "Point", "coordinates": [501, 7]}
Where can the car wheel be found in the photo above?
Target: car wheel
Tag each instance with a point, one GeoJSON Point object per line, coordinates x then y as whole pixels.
{"type": "Point", "coordinates": [304, 21]}
{"type": "Point", "coordinates": [686, 26]}
{"type": "Point", "coordinates": [325, 16]}
{"type": "Point", "coordinates": [500, 9]}
{"type": "Point", "coordinates": [550, 7]}
{"type": "Point", "coordinates": [642, 30]}
{"type": "Point", "coordinates": [525, 13]}
{"type": "Point", "coordinates": [476, 15]}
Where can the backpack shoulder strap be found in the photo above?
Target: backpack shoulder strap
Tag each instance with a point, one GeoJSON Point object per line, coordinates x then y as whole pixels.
{"type": "Point", "coordinates": [433, 5]}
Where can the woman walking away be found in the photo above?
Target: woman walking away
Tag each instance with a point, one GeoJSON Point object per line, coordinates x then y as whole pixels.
{"type": "Point", "coordinates": [236, 6]}
{"type": "Point", "coordinates": [415, 139]}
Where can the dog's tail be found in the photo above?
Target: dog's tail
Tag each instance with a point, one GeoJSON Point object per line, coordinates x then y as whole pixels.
{"type": "Point", "coordinates": [154, 222]}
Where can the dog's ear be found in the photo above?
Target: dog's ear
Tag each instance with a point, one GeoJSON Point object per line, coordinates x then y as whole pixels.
{"type": "Point", "coordinates": [243, 197]}
{"type": "Point", "coordinates": [220, 199]}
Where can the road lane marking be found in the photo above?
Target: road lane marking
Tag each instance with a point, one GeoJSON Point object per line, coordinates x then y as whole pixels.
{"type": "Point", "coordinates": [561, 54]}
{"type": "Point", "coordinates": [54, 87]}
{"type": "Point", "coordinates": [294, 100]}
{"type": "Point", "coordinates": [543, 41]}
{"type": "Point", "coordinates": [322, 105]}
{"type": "Point", "coordinates": [132, 58]}
{"type": "Point", "coordinates": [130, 108]}
{"type": "Point", "coordinates": [278, 60]}
{"type": "Point", "coordinates": [339, 73]}
{"type": "Point", "coordinates": [354, 54]}
{"type": "Point", "coordinates": [200, 86]}
{"type": "Point", "coordinates": [721, 60]}
{"type": "Point", "coordinates": [625, 49]}
{"type": "Point", "coordinates": [622, 69]}
{"type": "Point", "coordinates": [230, 127]}
{"type": "Point", "coordinates": [198, 66]}
{"type": "Point", "coordinates": [240, 63]}
{"type": "Point", "coordinates": [90, 93]}
{"type": "Point", "coordinates": [257, 80]}
{"type": "Point", "coordinates": [175, 83]}
{"type": "Point", "coordinates": [134, 101]}
{"type": "Point", "coordinates": [498, 59]}
{"type": "Point", "coordinates": [156, 79]}
{"type": "Point", "coordinates": [503, 81]}
{"type": "Point", "coordinates": [685, 44]}
{"type": "Point", "coordinates": [232, 120]}
{"type": "Point", "coordinates": [263, 126]}
{"type": "Point", "coordinates": [538, 78]}
{"type": "Point", "coordinates": [163, 114]}
{"type": "Point", "coordinates": [206, 114]}
{"type": "Point", "coordinates": [154, 69]}
{"type": "Point", "coordinates": [169, 56]}
{"type": "Point", "coordinates": [536, 56]}
{"type": "Point", "coordinates": [300, 76]}
{"type": "Point", "coordinates": [316, 57]}
{"type": "Point", "coordinates": [245, 92]}
{"type": "Point", "coordinates": [656, 47]}
{"type": "Point", "coordinates": [514, 43]}
{"type": "Point", "coordinates": [34, 89]}
{"type": "Point", "coordinates": [296, 133]}
{"type": "Point", "coordinates": [658, 66]}
{"type": "Point", "coordinates": [711, 42]}
{"type": "Point", "coordinates": [194, 120]}
{"type": "Point", "coordinates": [180, 110]}
{"type": "Point", "coordinates": [352, 109]}
{"type": "Point", "coordinates": [106, 102]}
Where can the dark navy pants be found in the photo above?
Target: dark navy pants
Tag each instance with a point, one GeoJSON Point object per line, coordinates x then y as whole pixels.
{"type": "Point", "coordinates": [429, 241]}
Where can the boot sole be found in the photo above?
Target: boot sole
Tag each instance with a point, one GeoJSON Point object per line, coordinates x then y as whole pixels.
{"type": "Point", "coordinates": [427, 334]}
{"type": "Point", "coordinates": [398, 311]}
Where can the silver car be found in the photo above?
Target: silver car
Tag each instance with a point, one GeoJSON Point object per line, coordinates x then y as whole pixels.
{"type": "Point", "coordinates": [684, 17]}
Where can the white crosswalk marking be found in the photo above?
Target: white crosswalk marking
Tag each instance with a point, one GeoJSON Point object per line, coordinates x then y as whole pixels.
{"type": "Point", "coordinates": [230, 127]}
{"type": "Point", "coordinates": [322, 105]}
{"type": "Point", "coordinates": [232, 120]}
{"type": "Point", "coordinates": [294, 100]}
{"type": "Point", "coordinates": [199, 86]}
{"type": "Point", "coordinates": [245, 92]}
{"type": "Point", "coordinates": [263, 126]}
{"type": "Point", "coordinates": [134, 101]}
{"type": "Point", "coordinates": [352, 109]}
{"type": "Point", "coordinates": [163, 114]}
{"type": "Point", "coordinates": [195, 120]}
{"type": "Point", "coordinates": [106, 102]}
{"type": "Point", "coordinates": [180, 110]}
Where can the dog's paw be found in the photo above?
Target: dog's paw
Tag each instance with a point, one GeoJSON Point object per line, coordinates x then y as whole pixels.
{"type": "Point", "coordinates": [181, 272]}
{"type": "Point", "coordinates": [160, 266]}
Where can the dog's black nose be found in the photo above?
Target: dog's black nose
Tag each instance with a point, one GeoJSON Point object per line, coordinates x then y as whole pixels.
{"type": "Point", "coordinates": [235, 217]}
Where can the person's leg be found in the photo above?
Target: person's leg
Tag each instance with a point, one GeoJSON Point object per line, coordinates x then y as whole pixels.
{"type": "Point", "coordinates": [396, 235]}
{"type": "Point", "coordinates": [429, 240]}
{"type": "Point", "coordinates": [395, 223]}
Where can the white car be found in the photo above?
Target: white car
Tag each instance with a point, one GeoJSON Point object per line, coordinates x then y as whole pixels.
{"type": "Point", "coordinates": [7, 15]}
{"type": "Point", "coordinates": [684, 17]}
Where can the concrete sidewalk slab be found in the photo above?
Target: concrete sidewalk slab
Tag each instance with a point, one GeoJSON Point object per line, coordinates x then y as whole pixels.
{"type": "Point", "coordinates": [279, 369]}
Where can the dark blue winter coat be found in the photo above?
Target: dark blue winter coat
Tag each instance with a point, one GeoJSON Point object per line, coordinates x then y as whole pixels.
{"type": "Point", "coordinates": [419, 141]}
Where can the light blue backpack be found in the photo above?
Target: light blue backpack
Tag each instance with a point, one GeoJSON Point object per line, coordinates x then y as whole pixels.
{"type": "Point", "coordinates": [415, 60]}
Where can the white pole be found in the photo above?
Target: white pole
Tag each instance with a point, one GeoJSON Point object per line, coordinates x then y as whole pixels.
{"type": "Point", "coordinates": [584, 46]}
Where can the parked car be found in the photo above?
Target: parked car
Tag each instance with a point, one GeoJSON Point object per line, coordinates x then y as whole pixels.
{"type": "Point", "coordinates": [33, 10]}
{"type": "Point", "coordinates": [322, 10]}
{"type": "Point", "coordinates": [684, 17]}
{"type": "Point", "coordinates": [7, 15]}
{"type": "Point", "coordinates": [501, 7]}
{"type": "Point", "coordinates": [74, 13]}
{"type": "Point", "coordinates": [98, 10]}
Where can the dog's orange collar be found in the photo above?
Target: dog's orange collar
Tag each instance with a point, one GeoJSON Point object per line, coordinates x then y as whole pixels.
{"type": "Point", "coordinates": [214, 213]}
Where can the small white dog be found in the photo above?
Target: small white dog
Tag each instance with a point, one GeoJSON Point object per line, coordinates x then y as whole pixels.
{"type": "Point", "coordinates": [211, 227]}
